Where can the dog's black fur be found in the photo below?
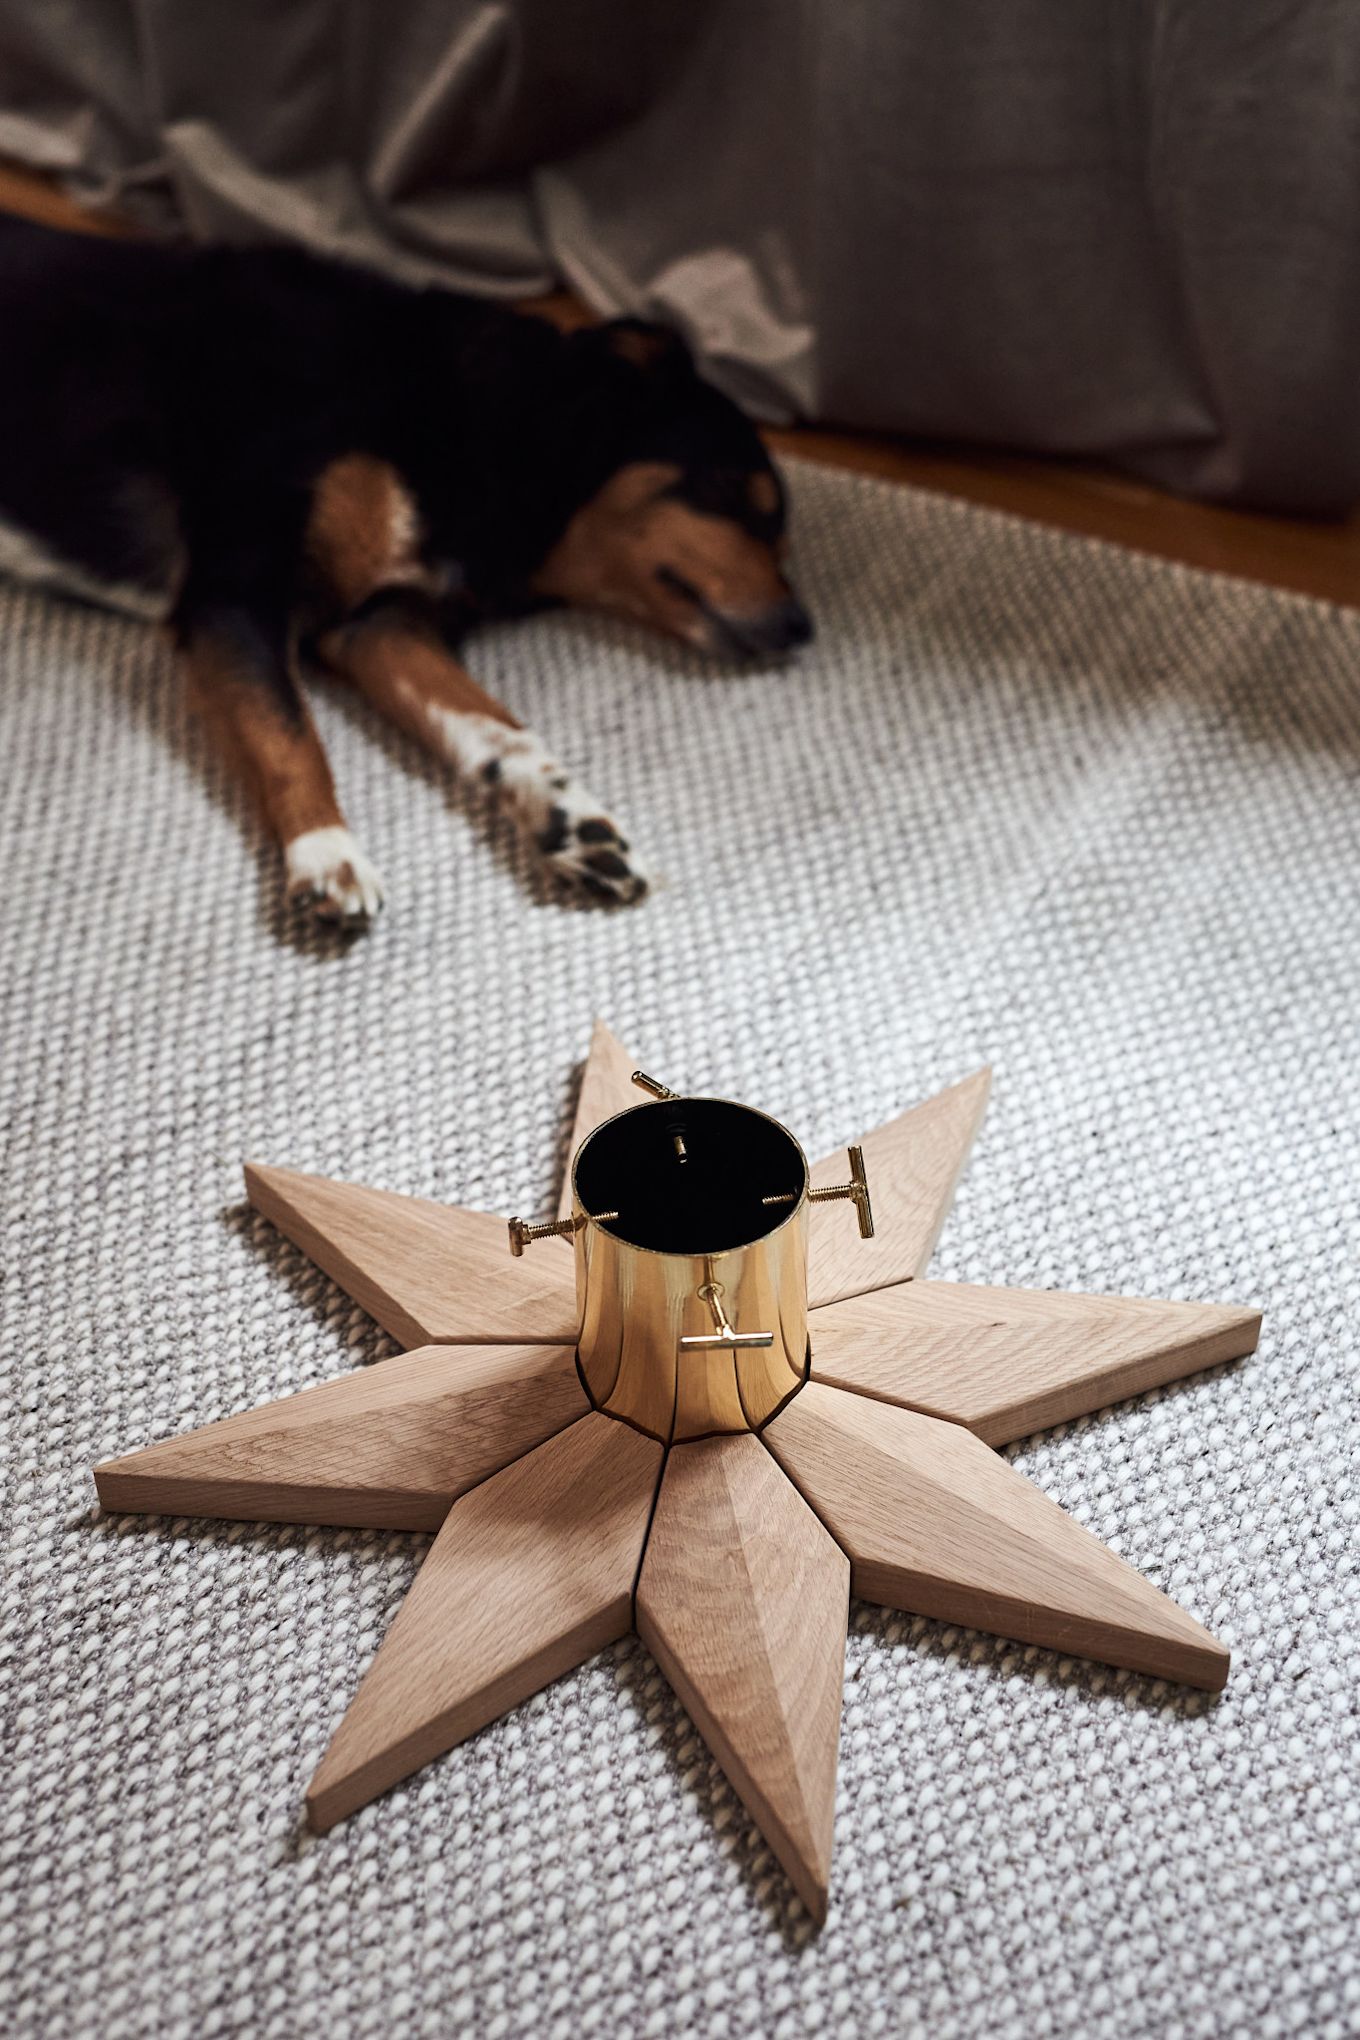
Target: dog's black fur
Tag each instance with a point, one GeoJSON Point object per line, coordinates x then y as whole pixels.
{"type": "Point", "coordinates": [166, 416]}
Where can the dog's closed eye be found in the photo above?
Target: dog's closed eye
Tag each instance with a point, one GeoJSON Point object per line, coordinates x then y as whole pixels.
{"type": "Point", "coordinates": [678, 585]}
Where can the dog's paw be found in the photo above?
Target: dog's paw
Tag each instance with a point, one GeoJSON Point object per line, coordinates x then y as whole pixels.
{"type": "Point", "coordinates": [586, 853]}
{"type": "Point", "coordinates": [512, 767]}
{"type": "Point", "coordinates": [329, 875]}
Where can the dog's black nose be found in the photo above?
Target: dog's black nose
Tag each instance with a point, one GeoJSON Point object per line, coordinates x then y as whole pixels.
{"type": "Point", "coordinates": [794, 625]}
{"type": "Point", "coordinates": [755, 634]}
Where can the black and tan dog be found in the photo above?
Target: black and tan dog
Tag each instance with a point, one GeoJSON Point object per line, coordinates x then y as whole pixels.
{"type": "Point", "coordinates": [315, 462]}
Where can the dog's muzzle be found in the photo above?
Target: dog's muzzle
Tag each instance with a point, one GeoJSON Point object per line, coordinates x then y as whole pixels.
{"type": "Point", "coordinates": [752, 635]}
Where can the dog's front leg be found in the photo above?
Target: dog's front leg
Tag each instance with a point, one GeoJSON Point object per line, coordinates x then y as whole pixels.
{"type": "Point", "coordinates": [237, 656]}
{"type": "Point", "coordinates": [395, 654]}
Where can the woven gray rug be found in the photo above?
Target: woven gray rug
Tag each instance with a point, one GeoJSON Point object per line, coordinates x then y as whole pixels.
{"type": "Point", "coordinates": [1028, 800]}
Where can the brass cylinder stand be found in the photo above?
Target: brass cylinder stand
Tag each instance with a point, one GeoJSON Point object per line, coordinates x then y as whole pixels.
{"type": "Point", "coordinates": [689, 1222]}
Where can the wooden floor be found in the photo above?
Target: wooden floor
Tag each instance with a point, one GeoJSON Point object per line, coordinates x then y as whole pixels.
{"type": "Point", "coordinates": [1314, 557]}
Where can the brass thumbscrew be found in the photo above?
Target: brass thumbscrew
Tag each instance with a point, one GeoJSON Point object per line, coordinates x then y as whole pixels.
{"type": "Point", "coordinates": [522, 1235]}
{"type": "Point", "coordinates": [656, 1089]}
{"type": "Point", "coordinates": [724, 1333]}
{"type": "Point", "coordinates": [857, 1190]}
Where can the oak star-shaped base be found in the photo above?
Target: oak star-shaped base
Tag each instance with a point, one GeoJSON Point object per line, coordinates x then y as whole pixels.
{"type": "Point", "coordinates": [560, 1529]}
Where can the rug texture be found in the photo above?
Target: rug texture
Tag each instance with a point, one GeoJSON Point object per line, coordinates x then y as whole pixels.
{"type": "Point", "coordinates": [1028, 801]}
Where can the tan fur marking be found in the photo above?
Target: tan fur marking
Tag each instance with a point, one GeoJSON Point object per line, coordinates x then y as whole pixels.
{"type": "Point", "coordinates": [404, 672]}
{"type": "Point", "coordinates": [763, 491]}
{"type": "Point", "coordinates": [280, 759]}
{"type": "Point", "coordinates": [613, 551]}
{"type": "Point", "coordinates": [363, 532]}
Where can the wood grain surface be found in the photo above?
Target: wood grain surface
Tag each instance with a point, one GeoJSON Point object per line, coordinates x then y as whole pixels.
{"type": "Point", "coordinates": [429, 1273]}
{"type": "Point", "coordinates": [532, 1572]}
{"type": "Point", "coordinates": [743, 1602]}
{"type": "Point", "coordinates": [936, 1524]}
{"type": "Point", "coordinates": [388, 1447]}
{"type": "Point", "coordinates": [1006, 1362]}
{"type": "Point", "coordinates": [913, 1165]}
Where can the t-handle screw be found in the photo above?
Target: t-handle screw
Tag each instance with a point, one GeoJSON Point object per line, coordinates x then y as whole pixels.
{"type": "Point", "coordinates": [724, 1333]}
{"type": "Point", "coordinates": [857, 1190]}
{"type": "Point", "coordinates": [652, 1085]}
{"type": "Point", "coordinates": [522, 1235]}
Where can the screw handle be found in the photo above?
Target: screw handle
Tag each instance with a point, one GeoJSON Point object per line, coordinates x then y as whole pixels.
{"type": "Point", "coordinates": [856, 1190]}
{"type": "Point", "coordinates": [724, 1334]}
{"type": "Point", "coordinates": [523, 1235]}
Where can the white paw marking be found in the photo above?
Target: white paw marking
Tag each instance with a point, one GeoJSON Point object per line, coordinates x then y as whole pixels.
{"type": "Point", "coordinates": [328, 872]}
{"type": "Point", "coordinates": [582, 844]}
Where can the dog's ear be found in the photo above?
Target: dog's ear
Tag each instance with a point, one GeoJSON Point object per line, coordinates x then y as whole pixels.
{"type": "Point", "coordinates": [658, 351]}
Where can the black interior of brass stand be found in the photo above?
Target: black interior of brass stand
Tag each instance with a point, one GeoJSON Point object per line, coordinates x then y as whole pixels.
{"type": "Point", "coordinates": [691, 1175]}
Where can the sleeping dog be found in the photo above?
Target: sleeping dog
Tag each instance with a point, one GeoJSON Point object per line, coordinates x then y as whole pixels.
{"type": "Point", "coordinates": [312, 463]}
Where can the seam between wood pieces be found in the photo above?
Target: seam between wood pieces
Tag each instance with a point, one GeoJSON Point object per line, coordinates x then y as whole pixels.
{"type": "Point", "coordinates": [799, 1489]}
{"type": "Point", "coordinates": [666, 1451]}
